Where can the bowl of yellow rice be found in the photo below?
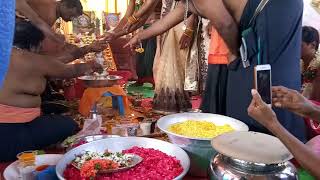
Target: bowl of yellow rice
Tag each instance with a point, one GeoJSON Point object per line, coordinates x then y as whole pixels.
{"type": "Point", "coordinates": [194, 131]}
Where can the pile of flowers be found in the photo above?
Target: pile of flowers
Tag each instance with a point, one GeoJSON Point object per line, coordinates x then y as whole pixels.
{"type": "Point", "coordinates": [90, 168]}
{"type": "Point", "coordinates": [199, 129]}
{"type": "Point", "coordinates": [155, 165]}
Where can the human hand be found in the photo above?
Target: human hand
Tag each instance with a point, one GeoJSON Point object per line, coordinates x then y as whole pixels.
{"type": "Point", "coordinates": [96, 67]}
{"type": "Point", "coordinates": [291, 100]}
{"type": "Point", "coordinates": [108, 36]}
{"type": "Point", "coordinates": [127, 27]}
{"type": "Point", "coordinates": [232, 57]}
{"type": "Point", "coordinates": [185, 41]}
{"type": "Point", "coordinates": [98, 46]}
{"type": "Point", "coordinates": [133, 42]}
{"type": "Point", "coordinates": [260, 111]}
{"type": "Point", "coordinates": [70, 47]}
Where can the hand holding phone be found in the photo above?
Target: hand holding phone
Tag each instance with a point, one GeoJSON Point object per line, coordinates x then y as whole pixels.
{"type": "Point", "coordinates": [263, 82]}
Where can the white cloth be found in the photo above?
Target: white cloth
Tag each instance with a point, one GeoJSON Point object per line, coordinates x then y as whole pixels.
{"type": "Point", "coordinates": [311, 17]}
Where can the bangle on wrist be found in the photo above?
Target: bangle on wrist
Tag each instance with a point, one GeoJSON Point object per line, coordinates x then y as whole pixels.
{"type": "Point", "coordinates": [188, 32]}
{"type": "Point", "coordinates": [188, 35]}
{"type": "Point", "coordinates": [132, 19]}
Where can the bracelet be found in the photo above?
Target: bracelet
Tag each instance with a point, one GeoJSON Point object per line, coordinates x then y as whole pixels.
{"type": "Point", "coordinates": [188, 32]}
{"type": "Point", "coordinates": [132, 19]}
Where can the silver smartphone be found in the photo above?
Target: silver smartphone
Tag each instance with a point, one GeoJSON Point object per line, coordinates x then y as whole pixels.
{"type": "Point", "coordinates": [263, 82]}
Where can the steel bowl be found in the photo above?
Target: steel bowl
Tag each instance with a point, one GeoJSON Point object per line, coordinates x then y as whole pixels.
{"type": "Point", "coordinates": [89, 139]}
{"type": "Point", "coordinates": [199, 150]}
{"type": "Point", "coordinates": [99, 81]}
{"type": "Point", "coordinates": [121, 143]}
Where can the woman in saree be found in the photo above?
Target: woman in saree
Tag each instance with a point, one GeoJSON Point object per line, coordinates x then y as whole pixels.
{"type": "Point", "coordinates": [180, 62]}
{"type": "Point", "coordinates": [310, 63]}
{"type": "Point", "coordinates": [145, 12]}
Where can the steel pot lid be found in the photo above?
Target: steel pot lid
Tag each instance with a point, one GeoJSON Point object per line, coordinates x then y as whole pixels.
{"type": "Point", "coordinates": [252, 147]}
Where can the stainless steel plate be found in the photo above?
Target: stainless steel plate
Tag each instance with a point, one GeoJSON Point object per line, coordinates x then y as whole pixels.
{"type": "Point", "coordinates": [122, 143]}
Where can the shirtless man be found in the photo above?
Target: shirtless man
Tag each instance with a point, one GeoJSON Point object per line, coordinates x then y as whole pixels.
{"type": "Point", "coordinates": [276, 30]}
{"type": "Point", "coordinates": [48, 11]}
{"type": "Point", "coordinates": [21, 125]}
{"type": "Point", "coordinates": [44, 13]}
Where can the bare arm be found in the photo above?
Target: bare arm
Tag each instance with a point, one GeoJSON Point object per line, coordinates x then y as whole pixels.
{"type": "Point", "coordinates": [142, 20]}
{"type": "Point", "coordinates": [302, 153]}
{"type": "Point", "coordinates": [170, 20]}
{"type": "Point", "coordinates": [295, 102]}
{"type": "Point", "coordinates": [56, 69]}
{"type": "Point", "coordinates": [147, 5]}
{"type": "Point", "coordinates": [50, 67]}
{"type": "Point", "coordinates": [23, 7]}
{"type": "Point", "coordinates": [129, 12]}
{"type": "Point", "coordinates": [221, 20]}
{"type": "Point", "coordinates": [74, 52]}
{"type": "Point", "coordinates": [262, 113]}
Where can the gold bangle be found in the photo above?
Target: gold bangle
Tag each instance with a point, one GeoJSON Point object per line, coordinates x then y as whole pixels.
{"type": "Point", "coordinates": [135, 18]}
{"type": "Point", "coordinates": [132, 19]}
{"type": "Point", "coordinates": [188, 32]}
{"type": "Point", "coordinates": [188, 35]}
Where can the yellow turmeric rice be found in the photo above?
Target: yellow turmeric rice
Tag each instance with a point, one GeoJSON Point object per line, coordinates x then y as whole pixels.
{"type": "Point", "coordinates": [199, 129]}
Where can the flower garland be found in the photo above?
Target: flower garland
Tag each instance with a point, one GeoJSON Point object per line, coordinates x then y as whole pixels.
{"type": "Point", "coordinates": [309, 75]}
{"type": "Point", "coordinates": [312, 71]}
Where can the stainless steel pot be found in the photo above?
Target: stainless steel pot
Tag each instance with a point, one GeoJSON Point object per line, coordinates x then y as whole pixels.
{"type": "Point", "coordinates": [226, 168]}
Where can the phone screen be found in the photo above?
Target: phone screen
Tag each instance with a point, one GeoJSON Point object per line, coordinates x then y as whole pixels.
{"type": "Point", "coordinates": [264, 85]}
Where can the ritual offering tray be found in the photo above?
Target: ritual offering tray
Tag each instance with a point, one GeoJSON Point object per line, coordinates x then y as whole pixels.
{"type": "Point", "coordinates": [193, 133]}
{"type": "Point", "coordinates": [142, 158]}
{"type": "Point", "coordinates": [100, 81]}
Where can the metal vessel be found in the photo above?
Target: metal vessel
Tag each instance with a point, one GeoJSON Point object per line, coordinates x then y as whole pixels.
{"type": "Point", "coordinates": [199, 150]}
{"type": "Point", "coordinates": [118, 144]}
{"type": "Point", "coordinates": [226, 168]}
{"type": "Point", "coordinates": [100, 81]}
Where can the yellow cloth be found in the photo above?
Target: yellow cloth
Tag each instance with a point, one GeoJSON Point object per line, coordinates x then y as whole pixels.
{"type": "Point", "coordinates": [93, 95]}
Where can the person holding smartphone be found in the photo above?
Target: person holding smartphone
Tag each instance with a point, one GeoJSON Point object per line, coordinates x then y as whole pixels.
{"type": "Point", "coordinates": [293, 101]}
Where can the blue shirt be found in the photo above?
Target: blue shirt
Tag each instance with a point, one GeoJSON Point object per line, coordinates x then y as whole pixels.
{"type": "Point", "coordinates": [7, 21]}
